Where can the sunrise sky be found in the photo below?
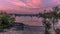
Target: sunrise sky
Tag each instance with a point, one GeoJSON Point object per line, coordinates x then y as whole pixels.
{"type": "Point", "coordinates": [30, 6]}
{"type": "Point", "coordinates": [27, 6]}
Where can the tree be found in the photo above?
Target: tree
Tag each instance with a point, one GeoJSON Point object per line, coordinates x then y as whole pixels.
{"type": "Point", "coordinates": [57, 31]}
{"type": "Point", "coordinates": [46, 23]}
{"type": "Point", "coordinates": [6, 20]}
{"type": "Point", "coordinates": [54, 16]}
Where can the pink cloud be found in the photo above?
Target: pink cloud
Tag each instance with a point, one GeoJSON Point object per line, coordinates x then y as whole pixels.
{"type": "Point", "coordinates": [24, 6]}
{"type": "Point", "coordinates": [34, 3]}
{"type": "Point", "coordinates": [29, 3]}
{"type": "Point", "coordinates": [16, 2]}
{"type": "Point", "coordinates": [29, 6]}
{"type": "Point", "coordinates": [55, 2]}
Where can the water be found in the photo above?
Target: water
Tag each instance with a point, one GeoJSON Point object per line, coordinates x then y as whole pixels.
{"type": "Point", "coordinates": [27, 30]}
{"type": "Point", "coordinates": [34, 21]}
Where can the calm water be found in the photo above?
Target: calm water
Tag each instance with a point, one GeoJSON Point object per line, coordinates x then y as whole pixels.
{"type": "Point", "coordinates": [34, 21]}
{"type": "Point", "coordinates": [34, 28]}
{"type": "Point", "coordinates": [27, 30]}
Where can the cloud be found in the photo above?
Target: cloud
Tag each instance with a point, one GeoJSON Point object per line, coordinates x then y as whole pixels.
{"type": "Point", "coordinates": [34, 3]}
{"type": "Point", "coordinates": [27, 6]}
{"type": "Point", "coordinates": [27, 3]}
{"type": "Point", "coordinates": [55, 2]}
{"type": "Point", "coordinates": [16, 2]}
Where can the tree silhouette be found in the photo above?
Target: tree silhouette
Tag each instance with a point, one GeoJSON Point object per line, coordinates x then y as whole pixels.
{"type": "Point", "coordinates": [6, 20]}
{"type": "Point", "coordinates": [46, 23]}
{"type": "Point", "coordinates": [53, 16]}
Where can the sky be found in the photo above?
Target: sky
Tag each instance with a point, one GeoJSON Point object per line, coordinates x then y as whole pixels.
{"type": "Point", "coordinates": [27, 6]}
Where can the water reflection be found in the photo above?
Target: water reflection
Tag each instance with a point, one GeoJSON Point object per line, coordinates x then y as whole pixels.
{"type": "Point", "coordinates": [27, 30]}
{"type": "Point", "coordinates": [34, 21]}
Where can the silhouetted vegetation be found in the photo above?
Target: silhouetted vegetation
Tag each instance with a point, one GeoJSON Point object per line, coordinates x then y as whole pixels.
{"type": "Point", "coordinates": [6, 20]}
{"type": "Point", "coordinates": [57, 31]}
{"type": "Point", "coordinates": [53, 16]}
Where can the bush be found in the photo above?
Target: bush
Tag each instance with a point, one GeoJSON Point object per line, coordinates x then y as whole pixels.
{"type": "Point", "coordinates": [57, 31]}
{"type": "Point", "coordinates": [6, 20]}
